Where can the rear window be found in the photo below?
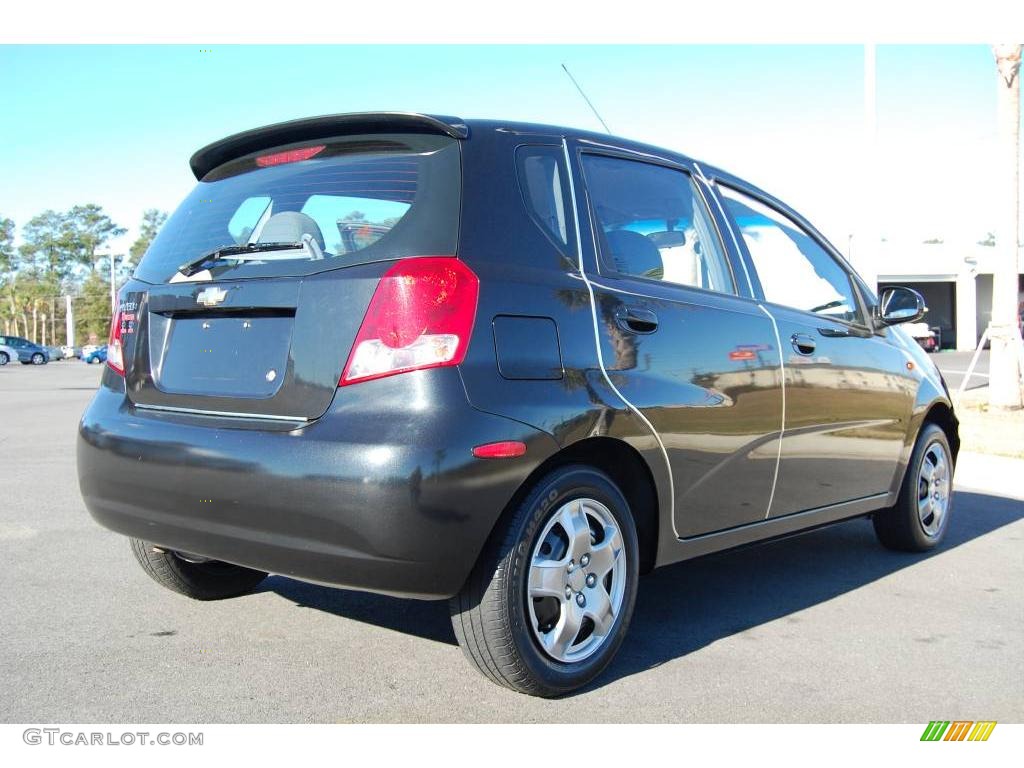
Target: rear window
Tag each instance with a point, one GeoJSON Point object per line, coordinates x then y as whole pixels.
{"type": "Point", "coordinates": [349, 201]}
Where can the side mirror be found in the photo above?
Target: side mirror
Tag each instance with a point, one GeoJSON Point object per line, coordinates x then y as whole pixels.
{"type": "Point", "coordinates": [900, 305]}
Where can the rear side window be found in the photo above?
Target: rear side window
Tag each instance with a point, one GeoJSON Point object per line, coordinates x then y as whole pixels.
{"type": "Point", "coordinates": [793, 269]}
{"type": "Point", "coordinates": [653, 224]}
{"type": "Point", "coordinates": [541, 178]}
{"type": "Point", "coordinates": [349, 200]}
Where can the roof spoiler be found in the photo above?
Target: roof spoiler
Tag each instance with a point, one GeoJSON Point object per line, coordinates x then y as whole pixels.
{"type": "Point", "coordinates": [313, 128]}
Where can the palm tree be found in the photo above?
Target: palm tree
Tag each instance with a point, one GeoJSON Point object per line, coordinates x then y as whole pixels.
{"type": "Point", "coordinates": [1005, 362]}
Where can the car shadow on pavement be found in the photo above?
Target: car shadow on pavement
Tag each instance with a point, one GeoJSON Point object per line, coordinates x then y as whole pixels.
{"type": "Point", "coordinates": [684, 607]}
{"type": "Point", "coordinates": [422, 618]}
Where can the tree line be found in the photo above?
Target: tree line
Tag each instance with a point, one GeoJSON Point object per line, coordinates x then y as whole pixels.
{"type": "Point", "coordinates": [61, 253]}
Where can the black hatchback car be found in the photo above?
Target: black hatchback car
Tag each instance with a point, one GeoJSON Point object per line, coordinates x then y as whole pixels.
{"type": "Point", "coordinates": [508, 364]}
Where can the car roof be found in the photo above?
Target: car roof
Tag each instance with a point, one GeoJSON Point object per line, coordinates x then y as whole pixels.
{"type": "Point", "coordinates": [323, 126]}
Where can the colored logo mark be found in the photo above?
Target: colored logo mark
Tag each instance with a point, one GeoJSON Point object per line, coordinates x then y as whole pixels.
{"type": "Point", "coordinates": [958, 730]}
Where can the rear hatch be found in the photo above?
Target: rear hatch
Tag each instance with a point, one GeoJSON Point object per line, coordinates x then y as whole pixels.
{"type": "Point", "coordinates": [295, 239]}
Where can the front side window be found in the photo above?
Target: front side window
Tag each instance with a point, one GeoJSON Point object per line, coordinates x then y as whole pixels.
{"type": "Point", "coordinates": [794, 270]}
{"type": "Point", "coordinates": [653, 224]}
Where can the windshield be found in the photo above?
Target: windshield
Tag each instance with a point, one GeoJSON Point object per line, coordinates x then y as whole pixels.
{"type": "Point", "coordinates": [344, 201]}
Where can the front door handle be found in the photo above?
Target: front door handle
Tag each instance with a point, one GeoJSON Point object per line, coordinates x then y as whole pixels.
{"type": "Point", "coordinates": [636, 319]}
{"type": "Point", "coordinates": [803, 343]}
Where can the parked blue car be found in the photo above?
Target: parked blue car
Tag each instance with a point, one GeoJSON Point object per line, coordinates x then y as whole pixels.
{"type": "Point", "coordinates": [27, 352]}
{"type": "Point", "coordinates": [98, 355]}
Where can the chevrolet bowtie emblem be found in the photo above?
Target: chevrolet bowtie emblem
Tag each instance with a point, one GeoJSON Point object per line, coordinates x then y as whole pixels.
{"type": "Point", "coordinates": [210, 297]}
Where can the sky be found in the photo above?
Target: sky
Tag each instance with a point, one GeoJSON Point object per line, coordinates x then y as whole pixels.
{"type": "Point", "coordinates": [116, 125]}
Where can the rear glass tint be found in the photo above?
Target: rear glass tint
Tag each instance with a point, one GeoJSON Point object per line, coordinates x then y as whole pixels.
{"type": "Point", "coordinates": [350, 200]}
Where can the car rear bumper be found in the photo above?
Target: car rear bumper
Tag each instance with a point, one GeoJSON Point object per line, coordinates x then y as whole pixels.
{"type": "Point", "coordinates": [382, 493]}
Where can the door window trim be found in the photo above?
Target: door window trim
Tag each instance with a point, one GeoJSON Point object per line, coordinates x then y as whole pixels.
{"type": "Point", "coordinates": [723, 223]}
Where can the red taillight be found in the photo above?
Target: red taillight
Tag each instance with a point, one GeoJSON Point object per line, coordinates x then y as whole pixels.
{"type": "Point", "coordinates": [288, 156]}
{"type": "Point", "coordinates": [420, 316]}
{"type": "Point", "coordinates": [506, 449]}
{"type": "Point", "coordinates": [115, 352]}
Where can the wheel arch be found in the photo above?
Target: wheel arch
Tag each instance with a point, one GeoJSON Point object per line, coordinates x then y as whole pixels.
{"type": "Point", "coordinates": [941, 414]}
{"type": "Point", "coordinates": [627, 469]}
{"type": "Point", "coordinates": [932, 406]}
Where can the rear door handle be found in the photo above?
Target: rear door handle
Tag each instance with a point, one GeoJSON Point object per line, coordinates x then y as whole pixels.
{"type": "Point", "coordinates": [636, 319]}
{"type": "Point", "coordinates": [803, 343]}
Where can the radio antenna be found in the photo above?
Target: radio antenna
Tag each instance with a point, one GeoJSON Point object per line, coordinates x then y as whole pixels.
{"type": "Point", "coordinates": [589, 102]}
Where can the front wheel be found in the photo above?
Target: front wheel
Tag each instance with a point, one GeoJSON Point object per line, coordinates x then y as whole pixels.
{"type": "Point", "coordinates": [919, 520]}
{"type": "Point", "coordinates": [549, 601]}
{"type": "Point", "coordinates": [193, 576]}
{"type": "Point", "coordinates": [4, 358]}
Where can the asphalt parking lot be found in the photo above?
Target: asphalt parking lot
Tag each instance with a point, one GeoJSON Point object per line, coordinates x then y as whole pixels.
{"type": "Point", "coordinates": [954, 366]}
{"type": "Point", "coordinates": [825, 627]}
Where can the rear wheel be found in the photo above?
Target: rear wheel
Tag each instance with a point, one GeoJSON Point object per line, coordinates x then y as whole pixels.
{"type": "Point", "coordinates": [194, 576]}
{"type": "Point", "coordinates": [919, 520]}
{"type": "Point", "coordinates": [548, 603]}
{"type": "Point", "coordinates": [38, 358]}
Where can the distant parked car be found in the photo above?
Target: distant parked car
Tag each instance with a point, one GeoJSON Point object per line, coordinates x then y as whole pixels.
{"type": "Point", "coordinates": [26, 352]}
{"type": "Point", "coordinates": [88, 349]}
{"type": "Point", "coordinates": [55, 353]}
{"type": "Point", "coordinates": [927, 337]}
{"type": "Point", "coordinates": [97, 355]}
{"type": "Point", "coordinates": [69, 351]}
{"type": "Point", "coordinates": [7, 354]}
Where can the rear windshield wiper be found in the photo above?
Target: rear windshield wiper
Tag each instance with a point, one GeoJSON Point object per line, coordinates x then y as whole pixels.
{"type": "Point", "coordinates": [189, 268]}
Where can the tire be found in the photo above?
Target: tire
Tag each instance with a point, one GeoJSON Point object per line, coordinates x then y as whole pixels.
{"type": "Point", "coordinates": [528, 644]}
{"type": "Point", "coordinates": [200, 580]}
{"type": "Point", "coordinates": [38, 359]}
{"type": "Point", "coordinates": [4, 358]}
{"type": "Point", "coordinates": [919, 520]}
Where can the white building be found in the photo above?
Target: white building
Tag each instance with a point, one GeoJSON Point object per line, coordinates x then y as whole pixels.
{"type": "Point", "coordinates": [955, 280]}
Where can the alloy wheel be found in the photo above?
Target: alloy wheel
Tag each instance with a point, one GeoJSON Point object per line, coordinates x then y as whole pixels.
{"type": "Point", "coordinates": [933, 487]}
{"type": "Point", "coordinates": [576, 580]}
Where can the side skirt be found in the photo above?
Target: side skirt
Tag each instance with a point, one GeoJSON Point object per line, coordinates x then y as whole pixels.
{"type": "Point", "coordinates": [773, 528]}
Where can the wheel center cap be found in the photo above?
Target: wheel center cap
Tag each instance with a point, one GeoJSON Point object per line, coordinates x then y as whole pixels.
{"type": "Point", "coordinates": [576, 579]}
